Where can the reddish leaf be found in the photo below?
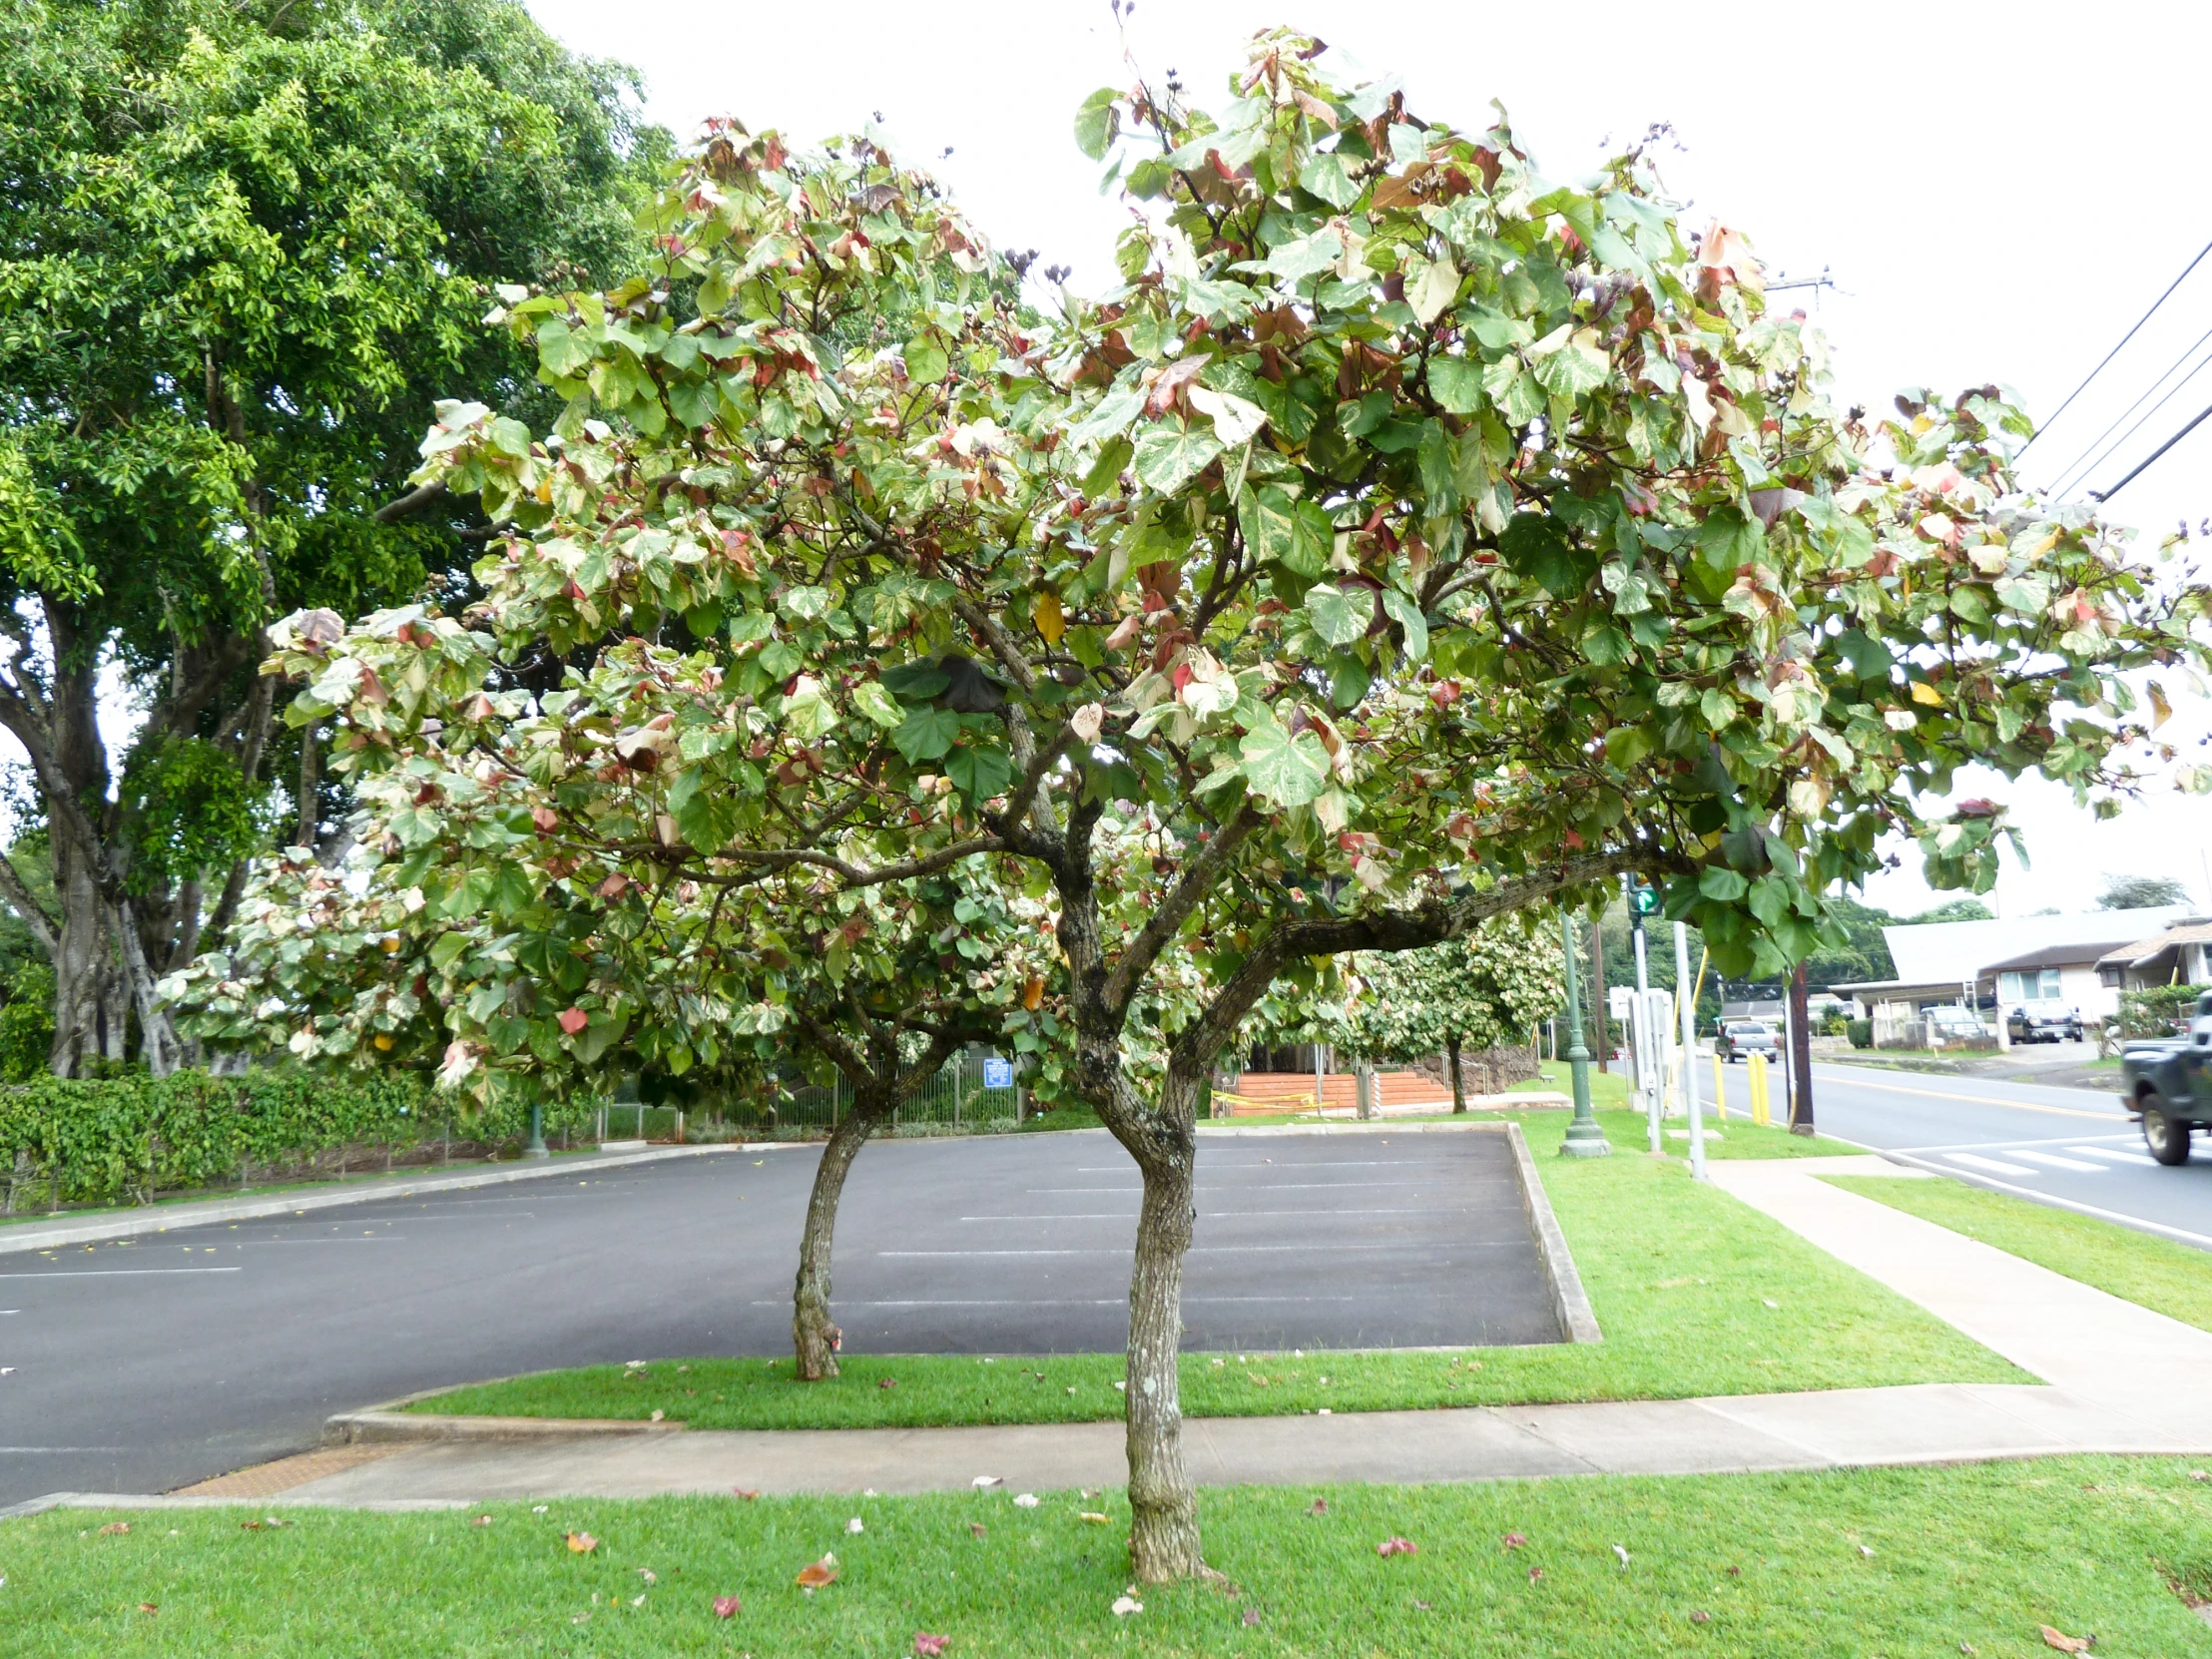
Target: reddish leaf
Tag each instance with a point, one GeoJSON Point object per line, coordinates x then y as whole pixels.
{"type": "Point", "coordinates": [1321, 1507]}
{"type": "Point", "coordinates": [725, 1607]}
{"type": "Point", "coordinates": [1536, 1574]}
{"type": "Point", "coordinates": [1513, 1540]}
{"type": "Point", "coordinates": [583, 1543]}
{"type": "Point", "coordinates": [927, 1646]}
{"type": "Point", "coordinates": [1396, 1546]}
{"type": "Point", "coordinates": [114, 1527]}
{"type": "Point", "coordinates": [746, 1492]}
{"type": "Point", "coordinates": [574, 1021]}
{"type": "Point", "coordinates": [1699, 1615]}
{"type": "Point", "coordinates": [975, 1528]}
{"type": "Point", "coordinates": [818, 1573]}
{"type": "Point", "coordinates": [2066, 1643]}
{"type": "Point", "coordinates": [148, 1607]}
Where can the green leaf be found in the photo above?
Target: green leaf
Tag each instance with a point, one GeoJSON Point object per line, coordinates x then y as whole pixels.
{"type": "Point", "coordinates": [1570, 362]}
{"type": "Point", "coordinates": [979, 774]}
{"type": "Point", "coordinates": [1722, 885]}
{"type": "Point", "coordinates": [1172, 454]}
{"type": "Point", "coordinates": [915, 681]}
{"type": "Point", "coordinates": [926, 361]}
{"type": "Point", "coordinates": [875, 704]}
{"type": "Point", "coordinates": [1097, 123]}
{"type": "Point", "coordinates": [1288, 770]}
{"type": "Point", "coordinates": [1408, 615]}
{"type": "Point", "coordinates": [1539, 546]}
{"type": "Point", "coordinates": [1457, 384]}
{"type": "Point", "coordinates": [1337, 617]}
{"type": "Point", "coordinates": [926, 733]}
{"type": "Point", "coordinates": [1626, 745]}
{"type": "Point", "coordinates": [1324, 176]}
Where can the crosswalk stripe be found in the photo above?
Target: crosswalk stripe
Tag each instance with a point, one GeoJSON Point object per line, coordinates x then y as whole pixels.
{"type": "Point", "coordinates": [1973, 1161]}
{"type": "Point", "coordinates": [2118, 1154]}
{"type": "Point", "coordinates": [2050, 1160]}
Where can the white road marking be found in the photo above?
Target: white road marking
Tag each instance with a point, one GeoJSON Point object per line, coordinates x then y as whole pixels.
{"type": "Point", "coordinates": [1303, 1163]}
{"type": "Point", "coordinates": [2070, 1141]}
{"type": "Point", "coordinates": [2050, 1160]}
{"type": "Point", "coordinates": [1853, 1079]}
{"type": "Point", "coordinates": [1972, 1161]}
{"type": "Point", "coordinates": [1202, 1250]}
{"type": "Point", "coordinates": [1216, 1214]}
{"type": "Point", "coordinates": [1053, 1302]}
{"type": "Point", "coordinates": [112, 1272]}
{"type": "Point", "coordinates": [1270, 1187]}
{"type": "Point", "coordinates": [2118, 1154]}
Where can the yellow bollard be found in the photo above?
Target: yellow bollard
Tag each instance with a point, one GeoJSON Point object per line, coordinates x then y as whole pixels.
{"type": "Point", "coordinates": [1756, 1066]}
{"type": "Point", "coordinates": [1720, 1088]}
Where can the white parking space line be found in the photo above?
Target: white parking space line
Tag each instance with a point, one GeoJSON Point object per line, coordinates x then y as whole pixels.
{"type": "Point", "coordinates": [1272, 1163]}
{"type": "Point", "coordinates": [1199, 1249]}
{"type": "Point", "coordinates": [2073, 1143]}
{"type": "Point", "coordinates": [2052, 1160]}
{"type": "Point", "coordinates": [1270, 1187]}
{"type": "Point", "coordinates": [2118, 1154]}
{"type": "Point", "coordinates": [1068, 1302]}
{"type": "Point", "coordinates": [112, 1272]}
{"type": "Point", "coordinates": [1972, 1161]}
{"type": "Point", "coordinates": [1216, 1214]}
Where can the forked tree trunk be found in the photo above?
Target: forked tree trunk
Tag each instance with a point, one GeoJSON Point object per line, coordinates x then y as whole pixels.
{"type": "Point", "coordinates": [814, 1338]}
{"type": "Point", "coordinates": [1458, 1083]}
{"type": "Point", "coordinates": [1162, 1502]}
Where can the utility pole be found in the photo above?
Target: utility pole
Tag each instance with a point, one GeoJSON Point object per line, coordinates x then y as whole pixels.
{"type": "Point", "coordinates": [1584, 1138]}
{"type": "Point", "coordinates": [1685, 995]}
{"type": "Point", "coordinates": [1597, 995]}
{"type": "Point", "coordinates": [1800, 1098]}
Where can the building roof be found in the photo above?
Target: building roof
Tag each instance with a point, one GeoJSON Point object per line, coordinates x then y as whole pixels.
{"type": "Point", "coordinates": [1953, 951]}
{"type": "Point", "coordinates": [2056, 955]}
{"type": "Point", "coordinates": [1948, 987]}
{"type": "Point", "coordinates": [2194, 931]}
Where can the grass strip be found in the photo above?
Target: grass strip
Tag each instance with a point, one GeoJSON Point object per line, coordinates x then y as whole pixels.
{"type": "Point", "coordinates": [2164, 1275]}
{"type": "Point", "coordinates": [1973, 1559]}
{"type": "Point", "coordinates": [1696, 1293]}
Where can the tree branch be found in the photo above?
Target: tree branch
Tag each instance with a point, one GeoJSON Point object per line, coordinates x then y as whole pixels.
{"type": "Point", "coordinates": [1166, 920]}
{"type": "Point", "coordinates": [17, 892]}
{"type": "Point", "coordinates": [421, 496]}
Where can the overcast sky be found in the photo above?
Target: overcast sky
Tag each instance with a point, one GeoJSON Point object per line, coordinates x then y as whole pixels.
{"type": "Point", "coordinates": [1999, 193]}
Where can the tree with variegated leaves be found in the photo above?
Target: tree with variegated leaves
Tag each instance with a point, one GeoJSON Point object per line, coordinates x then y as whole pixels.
{"type": "Point", "coordinates": [1415, 539]}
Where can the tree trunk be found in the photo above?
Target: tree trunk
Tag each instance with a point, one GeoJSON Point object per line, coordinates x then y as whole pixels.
{"type": "Point", "coordinates": [310, 768]}
{"type": "Point", "coordinates": [814, 1338]}
{"type": "Point", "coordinates": [1163, 1502]}
{"type": "Point", "coordinates": [1458, 1083]}
{"type": "Point", "coordinates": [1600, 1015]}
{"type": "Point", "coordinates": [1800, 1061]}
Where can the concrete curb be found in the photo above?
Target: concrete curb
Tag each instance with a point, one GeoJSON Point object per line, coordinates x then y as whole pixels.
{"type": "Point", "coordinates": [164, 1500]}
{"type": "Point", "coordinates": [25, 1236]}
{"type": "Point", "coordinates": [382, 1425]}
{"type": "Point", "coordinates": [1578, 1319]}
{"type": "Point", "coordinates": [1379, 1126]}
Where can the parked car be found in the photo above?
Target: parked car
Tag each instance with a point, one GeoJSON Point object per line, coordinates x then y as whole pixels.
{"type": "Point", "coordinates": [1739, 1037]}
{"type": "Point", "coordinates": [2047, 1021]}
{"type": "Point", "coordinates": [2167, 1085]}
{"type": "Point", "coordinates": [1954, 1023]}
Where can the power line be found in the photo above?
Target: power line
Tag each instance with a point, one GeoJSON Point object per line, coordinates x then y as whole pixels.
{"type": "Point", "coordinates": [2107, 495]}
{"type": "Point", "coordinates": [2115, 351]}
{"type": "Point", "coordinates": [2066, 475]}
{"type": "Point", "coordinates": [2140, 421]}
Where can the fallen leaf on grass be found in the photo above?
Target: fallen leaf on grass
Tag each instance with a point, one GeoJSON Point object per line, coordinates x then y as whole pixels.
{"type": "Point", "coordinates": [1252, 1615]}
{"type": "Point", "coordinates": [648, 1575]}
{"type": "Point", "coordinates": [983, 1482]}
{"type": "Point", "coordinates": [888, 1383]}
{"type": "Point", "coordinates": [583, 1543]}
{"type": "Point", "coordinates": [539, 1508]}
{"type": "Point", "coordinates": [1536, 1574]}
{"type": "Point", "coordinates": [1422, 1607]}
{"type": "Point", "coordinates": [1864, 1550]}
{"type": "Point", "coordinates": [725, 1607]}
{"type": "Point", "coordinates": [1699, 1615]}
{"type": "Point", "coordinates": [1396, 1546]}
{"type": "Point", "coordinates": [148, 1607]}
{"type": "Point", "coordinates": [2200, 1475]}
{"type": "Point", "coordinates": [1967, 1648]}
{"type": "Point", "coordinates": [855, 1526]}
{"type": "Point", "coordinates": [1624, 1555]}
{"type": "Point", "coordinates": [1321, 1507]}
{"type": "Point", "coordinates": [658, 1414]}
{"type": "Point", "coordinates": [1125, 1605]}
{"type": "Point", "coordinates": [1513, 1540]}
{"type": "Point", "coordinates": [749, 1493]}
{"type": "Point", "coordinates": [481, 1520]}
{"type": "Point", "coordinates": [638, 1600]}
{"type": "Point", "coordinates": [1027, 1501]}
{"type": "Point", "coordinates": [1091, 1515]}
{"type": "Point", "coordinates": [927, 1646]}
{"type": "Point", "coordinates": [815, 1574]}
{"type": "Point", "coordinates": [114, 1527]}
{"type": "Point", "coordinates": [975, 1528]}
{"type": "Point", "coordinates": [2066, 1643]}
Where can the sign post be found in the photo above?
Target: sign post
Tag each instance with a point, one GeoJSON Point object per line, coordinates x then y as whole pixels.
{"type": "Point", "coordinates": [1584, 1138]}
{"type": "Point", "coordinates": [1643, 901]}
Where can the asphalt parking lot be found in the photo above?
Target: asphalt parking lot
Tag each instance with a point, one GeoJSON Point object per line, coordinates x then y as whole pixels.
{"type": "Point", "coordinates": [148, 1364]}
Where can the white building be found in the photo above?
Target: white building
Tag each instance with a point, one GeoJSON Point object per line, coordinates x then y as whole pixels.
{"type": "Point", "coordinates": [1996, 965]}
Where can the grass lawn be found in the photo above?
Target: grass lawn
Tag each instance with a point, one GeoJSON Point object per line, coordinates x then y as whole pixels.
{"type": "Point", "coordinates": [2164, 1275]}
{"type": "Point", "coordinates": [1930, 1561]}
{"type": "Point", "coordinates": [1737, 1136]}
{"type": "Point", "coordinates": [1696, 1293]}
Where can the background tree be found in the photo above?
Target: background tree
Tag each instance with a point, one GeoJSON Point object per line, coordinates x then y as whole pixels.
{"type": "Point", "coordinates": [241, 248]}
{"type": "Point", "coordinates": [1489, 988]}
{"type": "Point", "coordinates": [2141, 893]}
{"type": "Point", "coordinates": [1409, 540]}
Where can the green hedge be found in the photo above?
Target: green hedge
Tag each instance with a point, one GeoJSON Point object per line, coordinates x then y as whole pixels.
{"type": "Point", "coordinates": [125, 1139]}
{"type": "Point", "coordinates": [2158, 1010]}
{"type": "Point", "coordinates": [1861, 1032]}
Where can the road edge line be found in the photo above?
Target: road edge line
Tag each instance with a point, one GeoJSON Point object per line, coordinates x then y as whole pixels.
{"type": "Point", "coordinates": [2134, 1224]}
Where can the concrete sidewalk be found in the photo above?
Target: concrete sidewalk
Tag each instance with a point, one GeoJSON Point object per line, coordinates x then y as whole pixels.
{"type": "Point", "coordinates": [2119, 1378]}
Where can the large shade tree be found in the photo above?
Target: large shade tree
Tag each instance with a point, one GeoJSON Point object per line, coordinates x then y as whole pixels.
{"type": "Point", "coordinates": [241, 249]}
{"type": "Point", "coordinates": [1417, 540]}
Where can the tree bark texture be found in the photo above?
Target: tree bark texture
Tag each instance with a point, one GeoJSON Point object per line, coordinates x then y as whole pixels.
{"type": "Point", "coordinates": [814, 1338]}
{"type": "Point", "coordinates": [1458, 1081]}
{"type": "Point", "coordinates": [1800, 1059]}
{"type": "Point", "coordinates": [1163, 1502]}
{"type": "Point", "coordinates": [1600, 1015]}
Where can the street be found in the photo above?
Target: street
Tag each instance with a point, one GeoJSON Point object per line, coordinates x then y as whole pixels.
{"type": "Point", "coordinates": [139, 1366]}
{"type": "Point", "coordinates": [2034, 1139]}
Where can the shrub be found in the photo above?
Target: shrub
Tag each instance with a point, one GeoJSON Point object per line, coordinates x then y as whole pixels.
{"type": "Point", "coordinates": [1861, 1032]}
{"type": "Point", "coordinates": [2158, 1010]}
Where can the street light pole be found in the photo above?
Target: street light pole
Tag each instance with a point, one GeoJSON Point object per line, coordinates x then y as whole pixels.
{"type": "Point", "coordinates": [1686, 995]}
{"type": "Point", "coordinates": [537, 1147]}
{"type": "Point", "coordinates": [1584, 1138]}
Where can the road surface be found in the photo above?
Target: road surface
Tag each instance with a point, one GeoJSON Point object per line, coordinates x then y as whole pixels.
{"type": "Point", "coordinates": [144, 1365]}
{"type": "Point", "coordinates": [2074, 1145]}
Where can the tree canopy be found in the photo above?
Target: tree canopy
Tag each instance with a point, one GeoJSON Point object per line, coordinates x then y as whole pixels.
{"type": "Point", "coordinates": [1411, 538]}
{"type": "Point", "coordinates": [241, 248]}
{"type": "Point", "coordinates": [2141, 893]}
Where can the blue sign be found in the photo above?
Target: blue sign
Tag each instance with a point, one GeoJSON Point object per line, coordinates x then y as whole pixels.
{"type": "Point", "coordinates": [999, 1074]}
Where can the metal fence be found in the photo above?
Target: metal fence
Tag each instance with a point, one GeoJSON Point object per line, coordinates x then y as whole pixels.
{"type": "Point", "coordinates": [957, 1100]}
